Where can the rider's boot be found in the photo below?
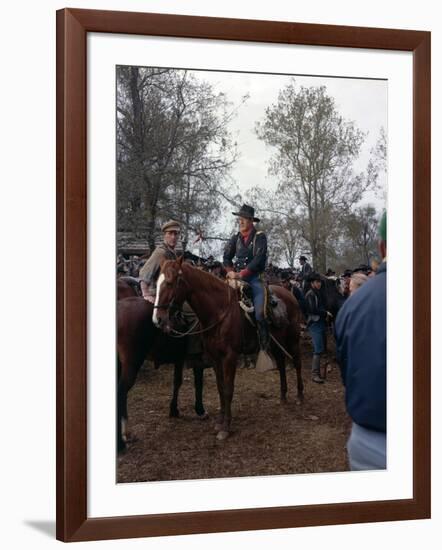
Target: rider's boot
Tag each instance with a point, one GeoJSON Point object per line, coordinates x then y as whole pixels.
{"type": "Point", "coordinates": [265, 362]}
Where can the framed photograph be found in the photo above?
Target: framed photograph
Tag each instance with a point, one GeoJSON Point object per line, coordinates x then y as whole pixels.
{"type": "Point", "coordinates": [195, 150]}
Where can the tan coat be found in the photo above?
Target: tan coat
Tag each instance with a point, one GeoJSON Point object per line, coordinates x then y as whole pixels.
{"type": "Point", "coordinates": [150, 271]}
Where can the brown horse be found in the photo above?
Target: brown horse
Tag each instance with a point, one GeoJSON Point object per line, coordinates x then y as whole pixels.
{"type": "Point", "coordinates": [227, 333]}
{"type": "Point", "coordinates": [138, 338]}
{"type": "Point", "coordinates": [126, 287]}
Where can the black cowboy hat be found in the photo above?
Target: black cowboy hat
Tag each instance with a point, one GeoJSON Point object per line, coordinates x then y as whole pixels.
{"type": "Point", "coordinates": [246, 212]}
{"type": "Point", "coordinates": [302, 258]}
{"type": "Point", "coordinates": [314, 277]}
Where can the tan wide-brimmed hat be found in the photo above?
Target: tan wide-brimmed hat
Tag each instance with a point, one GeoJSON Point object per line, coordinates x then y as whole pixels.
{"type": "Point", "coordinates": [171, 225]}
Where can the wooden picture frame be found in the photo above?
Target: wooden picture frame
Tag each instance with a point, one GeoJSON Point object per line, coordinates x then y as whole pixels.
{"type": "Point", "coordinates": [73, 523]}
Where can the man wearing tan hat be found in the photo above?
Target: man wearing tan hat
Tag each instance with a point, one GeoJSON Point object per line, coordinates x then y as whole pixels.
{"type": "Point", "coordinates": [165, 251]}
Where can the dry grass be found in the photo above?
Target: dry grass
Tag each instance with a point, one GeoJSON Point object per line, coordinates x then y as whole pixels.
{"type": "Point", "coordinates": [267, 438]}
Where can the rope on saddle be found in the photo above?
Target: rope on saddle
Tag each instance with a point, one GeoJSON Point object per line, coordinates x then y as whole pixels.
{"type": "Point", "coordinates": [280, 346]}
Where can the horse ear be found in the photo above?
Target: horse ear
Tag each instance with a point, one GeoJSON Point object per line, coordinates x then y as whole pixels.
{"type": "Point", "coordinates": [180, 261]}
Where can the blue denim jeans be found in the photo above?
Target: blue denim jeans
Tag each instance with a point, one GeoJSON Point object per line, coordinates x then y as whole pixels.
{"type": "Point", "coordinates": [366, 449]}
{"type": "Point", "coordinates": [255, 281]}
{"type": "Point", "coordinates": [316, 331]}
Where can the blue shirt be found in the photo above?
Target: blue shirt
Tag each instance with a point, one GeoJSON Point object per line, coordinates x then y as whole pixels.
{"type": "Point", "coordinates": [361, 347]}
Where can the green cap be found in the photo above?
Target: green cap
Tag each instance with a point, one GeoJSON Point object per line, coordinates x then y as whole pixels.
{"type": "Point", "coordinates": [383, 226]}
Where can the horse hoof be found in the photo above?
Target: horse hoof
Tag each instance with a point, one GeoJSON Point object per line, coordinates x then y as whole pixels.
{"type": "Point", "coordinates": [175, 414]}
{"type": "Point", "coordinates": [222, 435]}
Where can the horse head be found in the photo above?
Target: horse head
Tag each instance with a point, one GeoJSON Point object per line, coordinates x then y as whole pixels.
{"type": "Point", "coordinates": [171, 292]}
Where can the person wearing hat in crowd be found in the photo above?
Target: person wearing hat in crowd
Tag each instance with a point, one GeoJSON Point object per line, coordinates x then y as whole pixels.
{"type": "Point", "coordinates": [149, 274]}
{"type": "Point", "coordinates": [294, 287]}
{"type": "Point", "coordinates": [345, 282]}
{"type": "Point", "coordinates": [356, 281]}
{"type": "Point", "coordinates": [245, 257]}
{"type": "Point", "coordinates": [286, 280]}
{"type": "Point", "coordinates": [165, 251]}
{"type": "Point", "coordinates": [361, 346]}
{"type": "Point", "coordinates": [362, 268]}
{"type": "Point", "coordinates": [316, 316]}
{"type": "Point", "coordinates": [306, 271]}
{"type": "Point", "coordinates": [374, 264]}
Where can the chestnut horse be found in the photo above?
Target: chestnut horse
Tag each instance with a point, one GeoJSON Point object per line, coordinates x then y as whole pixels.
{"type": "Point", "coordinates": [226, 333]}
{"type": "Point", "coordinates": [138, 338]}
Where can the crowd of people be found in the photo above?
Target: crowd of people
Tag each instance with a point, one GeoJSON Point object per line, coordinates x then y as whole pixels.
{"type": "Point", "coordinates": [361, 334]}
{"type": "Point", "coordinates": [361, 346]}
{"type": "Point", "coordinates": [360, 323]}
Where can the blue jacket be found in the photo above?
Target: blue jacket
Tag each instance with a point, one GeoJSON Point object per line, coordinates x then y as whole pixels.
{"type": "Point", "coordinates": [361, 337]}
{"type": "Point", "coordinates": [251, 254]}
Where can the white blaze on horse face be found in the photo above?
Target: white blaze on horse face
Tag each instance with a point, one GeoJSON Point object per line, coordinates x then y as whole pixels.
{"type": "Point", "coordinates": [157, 299]}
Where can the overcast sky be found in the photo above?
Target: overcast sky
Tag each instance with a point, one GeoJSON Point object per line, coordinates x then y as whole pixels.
{"type": "Point", "coordinates": [363, 101]}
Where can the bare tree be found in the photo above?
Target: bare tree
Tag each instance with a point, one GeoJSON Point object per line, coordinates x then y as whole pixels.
{"type": "Point", "coordinates": [360, 230]}
{"type": "Point", "coordinates": [379, 160]}
{"type": "Point", "coordinates": [315, 149]}
{"type": "Point", "coordinates": [174, 148]}
{"type": "Point", "coordinates": [281, 223]}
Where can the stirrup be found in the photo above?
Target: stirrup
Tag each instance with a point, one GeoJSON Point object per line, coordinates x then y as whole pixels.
{"type": "Point", "coordinates": [246, 308]}
{"type": "Point", "coordinates": [265, 362]}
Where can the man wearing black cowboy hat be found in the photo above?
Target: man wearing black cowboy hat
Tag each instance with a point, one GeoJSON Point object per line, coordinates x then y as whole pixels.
{"type": "Point", "coordinates": [306, 270]}
{"type": "Point", "coordinates": [316, 316]}
{"type": "Point", "coordinates": [245, 257]}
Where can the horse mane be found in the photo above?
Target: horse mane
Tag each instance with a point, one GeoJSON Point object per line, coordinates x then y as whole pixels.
{"type": "Point", "coordinates": [212, 281]}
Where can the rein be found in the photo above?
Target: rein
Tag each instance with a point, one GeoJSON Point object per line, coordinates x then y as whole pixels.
{"type": "Point", "coordinates": [177, 333]}
{"type": "Point", "coordinates": [170, 304]}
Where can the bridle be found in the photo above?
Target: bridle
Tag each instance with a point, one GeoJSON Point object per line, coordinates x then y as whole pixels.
{"type": "Point", "coordinates": [169, 306]}
{"type": "Point", "coordinates": [172, 302]}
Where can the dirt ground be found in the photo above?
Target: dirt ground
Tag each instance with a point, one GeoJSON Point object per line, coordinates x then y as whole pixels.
{"type": "Point", "coordinates": [268, 437]}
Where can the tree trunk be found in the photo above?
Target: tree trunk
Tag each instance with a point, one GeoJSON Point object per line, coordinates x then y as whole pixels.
{"type": "Point", "coordinates": [321, 265]}
{"type": "Point", "coordinates": [151, 228]}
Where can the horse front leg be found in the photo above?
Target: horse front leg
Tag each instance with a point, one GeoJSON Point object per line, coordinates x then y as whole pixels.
{"type": "Point", "coordinates": [229, 370]}
{"type": "Point", "coordinates": [121, 417]}
{"type": "Point", "coordinates": [220, 386]}
{"type": "Point", "coordinates": [126, 379]}
{"type": "Point", "coordinates": [177, 382]}
{"type": "Point", "coordinates": [300, 383]}
{"type": "Point", "coordinates": [198, 378]}
{"type": "Point", "coordinates": [295, 352]}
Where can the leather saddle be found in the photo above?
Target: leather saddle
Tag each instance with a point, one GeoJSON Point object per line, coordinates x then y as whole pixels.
{"type": "Point", "coordinates": [276, 311]}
